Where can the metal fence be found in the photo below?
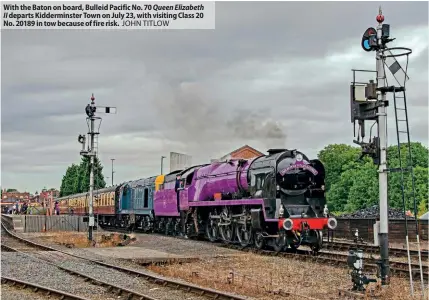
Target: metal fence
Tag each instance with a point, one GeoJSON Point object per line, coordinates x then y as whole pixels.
{"type": "Point", "coordinates": [34, 223]}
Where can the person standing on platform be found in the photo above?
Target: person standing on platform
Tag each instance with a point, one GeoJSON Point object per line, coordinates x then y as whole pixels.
{"type": "Point", "coordinates": [57, 208]}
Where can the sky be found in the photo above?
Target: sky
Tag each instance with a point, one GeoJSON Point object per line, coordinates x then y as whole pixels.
{"type": "Point", "coordinates": [271, 75]}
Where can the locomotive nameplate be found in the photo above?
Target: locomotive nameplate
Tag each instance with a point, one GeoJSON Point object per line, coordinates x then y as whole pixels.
{"type": "Point", "coordinates": [299, 166]}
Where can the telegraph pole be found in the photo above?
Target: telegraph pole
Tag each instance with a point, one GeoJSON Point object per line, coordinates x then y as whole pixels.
{"type": "Point", "coordinates": [91, 152]}
{"type": "Point", "coordinates": [112, 159]}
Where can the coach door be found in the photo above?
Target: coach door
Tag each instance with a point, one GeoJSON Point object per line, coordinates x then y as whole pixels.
{"type": "Point", "coordinates": [186, 183]}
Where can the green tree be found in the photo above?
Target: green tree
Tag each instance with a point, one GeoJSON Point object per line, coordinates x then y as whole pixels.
{"type": "Point", "coordinates": [11, 190]}
{"type": "Point", "coordinates": [353, 185]}
{"type": "Point", "coordinates": [69, 183]}
{"type": "Point", "coordinates": [76, 179]}
{"type": "Point", "coordinates": [84, 174]}
{"type": "Point", "coordinates": [423, 207]}
{"type": "Point", "coordinates": [419, 155]}
{"type": "Point", "coordinates": [364, 191]}
{"type": "Point", "coordinates": [336, 159]}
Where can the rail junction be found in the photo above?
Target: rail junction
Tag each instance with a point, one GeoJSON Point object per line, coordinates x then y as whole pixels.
{"type": "Point", "coordinates": [18, 244]}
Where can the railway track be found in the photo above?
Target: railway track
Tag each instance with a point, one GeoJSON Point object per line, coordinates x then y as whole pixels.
{"type": "Point", "coordinates": [326, 257]}
{"type": "Point", "coordinates": [337, 259]}
{"type": "Point", "coordinates": [344, 246]}
{"type": "Point", "coordinates": [49, 252]}
{"type": "Point", "coordinates": [36, 288]}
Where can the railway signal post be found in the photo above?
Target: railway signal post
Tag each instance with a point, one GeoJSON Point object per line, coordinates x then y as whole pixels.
{"type": "Point", "coordinates": [369, 103]}
{"type": "Point", "coordinates": [382, 170]}
{"type": "Point", "coordinates": [92, 151]}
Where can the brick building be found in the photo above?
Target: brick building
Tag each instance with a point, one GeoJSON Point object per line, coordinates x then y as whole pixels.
{"type": "Point", "coordinates": [45, 195]}
{"type": "Point", "coordinates": [14, 195]}
{"type": "Point", "coordinates": [245, 152]}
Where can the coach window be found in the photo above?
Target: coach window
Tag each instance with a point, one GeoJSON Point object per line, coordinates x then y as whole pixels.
{"type": "Point", "coordinates": [146, 198]}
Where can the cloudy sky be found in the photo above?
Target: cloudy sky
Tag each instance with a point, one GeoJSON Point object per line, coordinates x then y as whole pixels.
{"type": "Point", "coordinates": [269, 75]}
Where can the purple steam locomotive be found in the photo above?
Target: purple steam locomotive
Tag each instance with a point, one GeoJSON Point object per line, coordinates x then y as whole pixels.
{"type": "Point", "coordinates": [277, 200]}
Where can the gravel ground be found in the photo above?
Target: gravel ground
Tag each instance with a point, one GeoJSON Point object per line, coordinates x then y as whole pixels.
{"type": "Point", "coordinates": [36, 271]}
{"type": "Point", "coordinates": [128, 281]}
{"type": "Point", "coordinates": [150, 241]}
{"type": "Point", "coordinates": [13, 293]}
{"type": "Point", "coordinates": [21, 267]}
{"type": "Point", "coordinates": [181, 246]}
{"type": "Point", "coordinates": [250, 271]}
{"type": "Point", "coordinates": [263, 276]}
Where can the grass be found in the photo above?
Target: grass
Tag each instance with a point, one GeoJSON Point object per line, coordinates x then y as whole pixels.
{"type": "Point", "coordinates": [266, 277]}
{"type": "Point", "coordinates": [80, 240]}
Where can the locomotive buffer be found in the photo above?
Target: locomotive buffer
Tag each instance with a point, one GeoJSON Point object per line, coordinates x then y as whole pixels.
{"type": "Point", "coordinates": [369, 103]}
{"type": "Point", "coordinates": [92, 151]}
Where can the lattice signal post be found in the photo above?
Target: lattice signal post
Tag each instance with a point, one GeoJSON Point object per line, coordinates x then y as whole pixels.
{"type": "Point", "coordinates": [369, 103]}
{"type": "Point", "coordinates": [92, 150]}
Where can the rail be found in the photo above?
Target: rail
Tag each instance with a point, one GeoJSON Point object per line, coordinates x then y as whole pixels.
{"type": "Point", "coordinates": [40, 288]}
{"type": "Point", "coordinates": [187, 287]}
{"type": "Point", "coordinates": [337, 259]}
{"type": "Point", "coordinates": [373, 249]}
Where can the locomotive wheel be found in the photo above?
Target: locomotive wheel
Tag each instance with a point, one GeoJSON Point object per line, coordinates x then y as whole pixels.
{"type": "Point", "coordinates": [168, 227]}
{"type": "Point", "coordinates": [294, 246]}
{"type": "Point", "coordinates": [244, 234]}
{"type": "Point", "coordinates": [280, 242]}
{"type": "Point", "coordinates": [161, 227]}
{"type": "Point", "coordinates": [259, 240]}
{"type": "Point", "coordinates": [212, 231]}
{"type": "Point", "coordinates": [227, 233]}
{"type": "Point", "coordinates": [315, 247]}
{"type": "Point", "coordinates": [176, 227]}
{"type": "Point", "coordinates": [146, 224]}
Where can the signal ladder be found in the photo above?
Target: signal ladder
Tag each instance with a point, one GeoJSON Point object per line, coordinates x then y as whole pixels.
{"type": "Point", "coordinates": [406, 168]}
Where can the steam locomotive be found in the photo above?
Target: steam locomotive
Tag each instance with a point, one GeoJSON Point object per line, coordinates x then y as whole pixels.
{"type": "Point", "coordinates": [275, 200]}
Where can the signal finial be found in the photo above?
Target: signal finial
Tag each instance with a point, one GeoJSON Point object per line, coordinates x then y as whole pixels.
{"type": "Point", "coordinates": [380, 17]}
